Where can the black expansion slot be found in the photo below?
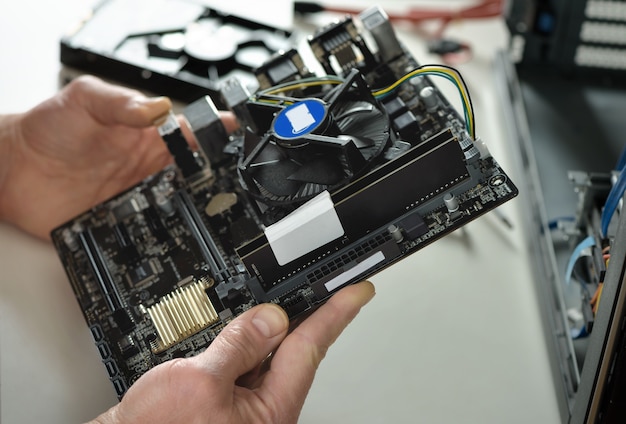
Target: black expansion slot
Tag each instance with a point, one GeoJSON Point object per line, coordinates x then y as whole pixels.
{"type": "Point", "coordinates": [209, 249]}
{"type": "Point", "coordinates": [100, 270]}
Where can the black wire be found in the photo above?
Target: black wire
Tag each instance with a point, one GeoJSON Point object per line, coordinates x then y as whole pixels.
{"type": "Point", "coordinates": [307, 7]}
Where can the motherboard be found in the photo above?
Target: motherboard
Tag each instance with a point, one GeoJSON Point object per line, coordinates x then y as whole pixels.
{"type": "Point", "coordinates": [339, 169]}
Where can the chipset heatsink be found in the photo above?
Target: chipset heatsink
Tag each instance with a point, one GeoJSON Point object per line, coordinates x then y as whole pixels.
{"type": "Point", "coordinates": [181, 314]}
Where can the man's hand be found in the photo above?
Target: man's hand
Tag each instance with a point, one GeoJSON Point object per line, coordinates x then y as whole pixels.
{"type": "Point", "coordinates": [233, 380]}
{"type": "Point", "coordinates": [87, 143]}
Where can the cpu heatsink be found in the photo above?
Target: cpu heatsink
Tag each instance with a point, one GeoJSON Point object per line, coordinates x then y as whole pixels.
{"type": "Point", "coordinates": [181, 314]}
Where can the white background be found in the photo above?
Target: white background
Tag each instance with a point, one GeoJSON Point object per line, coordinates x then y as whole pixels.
{"type": "Point", "coordinates": [452, 336]}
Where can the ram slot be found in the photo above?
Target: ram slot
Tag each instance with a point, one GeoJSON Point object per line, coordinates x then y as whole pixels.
{"type": "Point", "coordinates": [100, 270]}
{"type": "Point", "coordinates": [209, 249]}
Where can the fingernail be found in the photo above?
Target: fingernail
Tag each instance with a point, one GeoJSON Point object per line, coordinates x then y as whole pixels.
{"type": "Point", "coordinates": [157, 122]}
{"type": "Point", "coordinates": [270, 320]}
{"type": "Point", "coordinates": [370, 291]}
{"type": "Point", "coordinates": [157, 108]}
{"type": "Point", "coordinates": [372, 294]}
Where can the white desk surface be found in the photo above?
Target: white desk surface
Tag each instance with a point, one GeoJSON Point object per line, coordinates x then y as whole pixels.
{"type": "Point", "coordinates": [452, 336]}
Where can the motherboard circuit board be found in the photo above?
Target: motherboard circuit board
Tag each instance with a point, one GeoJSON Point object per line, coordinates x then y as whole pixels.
{"type": "Point", "coordinates": [329, 179]}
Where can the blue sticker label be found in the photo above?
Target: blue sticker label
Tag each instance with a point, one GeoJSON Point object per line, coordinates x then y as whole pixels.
{"type": "Point", "coordinates": [300, 118]}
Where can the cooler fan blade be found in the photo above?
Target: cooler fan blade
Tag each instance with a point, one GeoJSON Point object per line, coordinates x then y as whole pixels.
{"type": "Point", "coordinates": [345, 110]}
{"type": "Point", "coordinates": [275, 177]}
{"type": "Point", "coordinates": [360, 142]}
{"type": "Point", "coordinates": [323, 170]}
{"type": "Point", "coordinates": [344, 149]}
{"type": "Point", "coordinates": [366, 125]}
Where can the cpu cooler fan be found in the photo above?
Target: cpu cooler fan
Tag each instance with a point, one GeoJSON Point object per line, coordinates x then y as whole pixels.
{"type": "Point", "coordinates": [314, 144]}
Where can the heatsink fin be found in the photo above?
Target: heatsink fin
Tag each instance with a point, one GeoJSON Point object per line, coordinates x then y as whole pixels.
{"type": "Point", "coordinates": [181, 314]}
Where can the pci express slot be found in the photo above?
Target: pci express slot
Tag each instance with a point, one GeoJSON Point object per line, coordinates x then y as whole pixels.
{"type": "Point", "coordinates": [209, 249]}
{"type": "Point", "coordinates": [100, 270]}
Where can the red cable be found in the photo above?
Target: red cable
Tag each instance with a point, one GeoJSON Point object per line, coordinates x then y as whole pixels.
{"type": "Point", "coordinates": [485, 9]}
{"type": "Point", "coordinates": [416, 16]}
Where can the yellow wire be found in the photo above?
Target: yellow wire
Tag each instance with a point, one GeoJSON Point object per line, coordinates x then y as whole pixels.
{"type": "Point", "coordinates": [426, 69]}
{"type": "Point", "coordinates": [430, 69]}
{"type": "Point", "coordinates": [309, 82]}
{"type": "Point", "coordinates": [299, 85]}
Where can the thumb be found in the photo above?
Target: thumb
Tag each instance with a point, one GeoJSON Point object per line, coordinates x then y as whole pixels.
{"type": "Point", "coordinates": [115, 105]}
{"type": "Point", "coordinates": [246, 342]}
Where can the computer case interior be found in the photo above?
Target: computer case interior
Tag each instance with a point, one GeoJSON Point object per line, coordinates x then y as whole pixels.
{"type": "Point", "coordinates": [562, 88]}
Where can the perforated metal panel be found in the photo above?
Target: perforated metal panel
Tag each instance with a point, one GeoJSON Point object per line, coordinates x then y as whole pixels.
{"type": "Point", "coordinates": [582, 37]}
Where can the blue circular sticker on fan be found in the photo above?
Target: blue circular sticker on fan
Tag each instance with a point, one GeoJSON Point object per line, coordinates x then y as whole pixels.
{"type": "Point", "coordinates": [299, 118]}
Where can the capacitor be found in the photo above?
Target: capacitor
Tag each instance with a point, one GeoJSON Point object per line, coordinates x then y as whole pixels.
{"type": "Point", "coordinates": [429, 98]}
{"type": "Point", "coordinates": [165, 203]}
{"type": "Point", "coordinates": [451, 202]}
{"type": "Point", "coordinates": [163, 193]}
{"type": "Point", "coordinates": [419, 82]}
{"type": "Point", "coordinates": [395, 233]}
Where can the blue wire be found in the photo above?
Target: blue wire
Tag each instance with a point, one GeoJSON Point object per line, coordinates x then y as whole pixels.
{"type": "Point", "coordinates": [554, 224]}
{"type": "Point", "coordinates": [579, 333]}
{"type": "Point", "coordinates": [621, 163]}
{"type": "Point", "coordinates": [612, 201]}
{"type": "Point", "coordinates": [615, 194]}
{"type": "Point", "coordinates": [578, 250]}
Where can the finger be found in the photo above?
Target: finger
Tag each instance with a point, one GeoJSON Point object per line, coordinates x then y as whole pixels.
{"type": "Point", "coordinates": [295, 362]}
{"type": "Point", "coordinates": [115, 105]}
{"type": "Point", "coordinates": [229, 120]}
{"type": "Point", "coordinates": [187, 132]}
{"type": "Point", "coordinates": [245, 342]}
{"type": "Point", "coordinates": [253, 378]}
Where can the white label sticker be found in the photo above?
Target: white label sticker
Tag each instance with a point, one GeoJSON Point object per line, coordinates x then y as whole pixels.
{"type": "Point", "coordinates": [360, 268]}
{"type": "Point", "coordinates": [300, 118]}
{"type": "Point", "coordinates": [310, 226]}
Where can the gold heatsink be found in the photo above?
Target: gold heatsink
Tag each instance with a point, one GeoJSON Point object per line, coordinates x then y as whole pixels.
{"type": "Point", "coordinates": [182, 314]}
